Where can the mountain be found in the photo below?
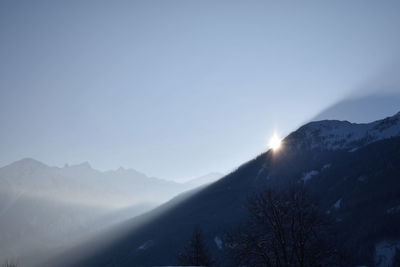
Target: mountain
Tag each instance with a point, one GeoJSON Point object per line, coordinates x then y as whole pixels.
{"type": "Point", "coordinates": [343, 135]}
{"type": "Point", "coordinates": [353, 169]}
{"type": "Point", "coordinates": [45, 209]}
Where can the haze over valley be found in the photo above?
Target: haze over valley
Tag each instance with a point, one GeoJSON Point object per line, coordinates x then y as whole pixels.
{"type": "Point", "coordinates": [45, 209]}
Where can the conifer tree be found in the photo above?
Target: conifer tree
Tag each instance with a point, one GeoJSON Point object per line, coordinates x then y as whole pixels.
{"type": "Point", "coordinates": [195, 253]}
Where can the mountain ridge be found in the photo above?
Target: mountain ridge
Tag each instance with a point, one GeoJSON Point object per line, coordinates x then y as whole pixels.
{"type": "Point", "coordinates": [42, 204]}
{"type": "Point", "coordinates": [336, 134]}
{"type": "Point", "coordinates": [351, 185]}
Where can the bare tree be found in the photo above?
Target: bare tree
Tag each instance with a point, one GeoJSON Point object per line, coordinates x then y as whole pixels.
{"type": "Point", "coordinates": [9, 264]}
{"type": "Point", "coordinates": [195, 253]}
{"type": "Point", "coordinates": [284, 230]}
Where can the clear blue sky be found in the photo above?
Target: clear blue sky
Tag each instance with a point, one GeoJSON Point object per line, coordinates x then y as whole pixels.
{"type": "Point", "coordinates": [177, 89]}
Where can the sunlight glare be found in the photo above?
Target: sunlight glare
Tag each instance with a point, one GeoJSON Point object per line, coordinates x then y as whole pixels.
{"type": "Point", "coordinates": [275, 142]}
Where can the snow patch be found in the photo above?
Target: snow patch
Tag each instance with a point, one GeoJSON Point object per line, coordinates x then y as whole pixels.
{"type": "Point", "coordinates": [326, 166]}
{"type": "Point", "coordinates": [218, 242]}
{"type": "Point", "coordinates": [146, 245]}
{"type": "Point", "coordinates": [337, 204]}
{"type": "Point", "coordinates": [385, 252]}
{"type": "Point", "coordinates": [307, 176]}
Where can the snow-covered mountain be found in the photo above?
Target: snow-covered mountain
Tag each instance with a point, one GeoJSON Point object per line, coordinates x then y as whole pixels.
{"type": "Point", "coordinates": [46, 208]}
{"type": "Point", "coordinates": [337, 135]}
{"type": "Point", "coordinates": [82, 185]}
{"type": "Point", "coordinates": [352, 169]}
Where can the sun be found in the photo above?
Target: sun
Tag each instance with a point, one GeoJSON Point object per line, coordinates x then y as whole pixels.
{"type": "Point", "coordinates": [275, 142]}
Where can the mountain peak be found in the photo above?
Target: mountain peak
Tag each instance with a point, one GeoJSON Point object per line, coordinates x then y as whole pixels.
{"type": "Point", "coordinates": [29, 162]}
{"type": "Point", "coordinates": [83, 165]}
{"type": "Point", "coordinates": [336, 135]}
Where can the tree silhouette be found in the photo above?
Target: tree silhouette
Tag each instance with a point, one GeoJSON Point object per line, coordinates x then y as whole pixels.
{"type": "Point", "coordinates": [195, 253]}
{"type": "Point", "coordinates": [9, 264]}
{"type": "Point", "coordinates": [285, 229]}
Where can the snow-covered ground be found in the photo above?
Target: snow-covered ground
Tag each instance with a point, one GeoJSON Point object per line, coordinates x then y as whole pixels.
{"type": "Point", "coordinates": [385, 252]}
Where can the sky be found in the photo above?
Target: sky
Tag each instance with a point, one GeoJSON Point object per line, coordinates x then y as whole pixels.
{"type": "Point", "coordinates": [177, 89]}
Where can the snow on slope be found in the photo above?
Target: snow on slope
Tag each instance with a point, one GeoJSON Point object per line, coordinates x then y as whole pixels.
{"type": "Point", "coordinates": [385, 252]}
{"type": "Point", "coordinates": [335, 135]}
{"type": "Point", "coordinates": [307, 176]}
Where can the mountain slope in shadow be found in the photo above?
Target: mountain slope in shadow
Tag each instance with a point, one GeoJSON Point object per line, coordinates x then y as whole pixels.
{"type": "Point", "coordinates": [362, 175]}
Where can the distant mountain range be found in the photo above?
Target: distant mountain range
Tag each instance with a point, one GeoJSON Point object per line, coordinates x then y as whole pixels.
{"type": "Point", "coordinates": [353, 169]}
{"type": "Point", "coordinates": [45, 209]}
